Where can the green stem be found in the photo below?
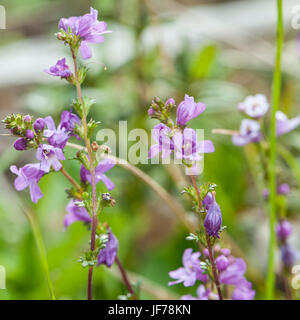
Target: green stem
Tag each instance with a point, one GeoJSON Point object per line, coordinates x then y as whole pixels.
{"type": "Point", "coordinates": [42, 251]}
{"type": "Point", "coordinates": [272, 165]}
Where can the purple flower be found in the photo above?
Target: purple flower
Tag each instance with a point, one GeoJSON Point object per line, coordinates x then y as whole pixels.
{"type": "Point", "coordinates": [222, 263]}
{"type": "Point", "coordinates": [249, 132]}
{"type": "Point", "coordinates": [254, 106]}
{"type": "Point", "coordinates": [29, 134]}
{"type": "Point", "coordinates": [289, 255]}
{"type": "Point", "coordinates": [243, 291]}
{"type": "Point", "coordinates": [27, 119]}
{"type": "Point", "coordinates": [101, 168]}
{"type": "Point", "coordinates": [283, 230]}
{"type": "Point", "coordinates": [60, 69]}
{"type": "Point", "coordinates": [213, 219]}
{"type": "Point", "coordinates": [29, 176]}
{"type": "Point", "coordinates": [285, 125]}
{"type": "Point", "coordinates": [88, 28]}
{"type": "Point", "coordinates": [108, 254]}
{"type": "Point", "coordinates": [165, 144]}
{"type": "Point", "coordinates": [226, 252]}
{"type": "Point", "coordinates": [39, 124]}
{"type": "Point", "coordinates": [191, 270]}
{"type": "Point", "coordinates": [20, 144]}
{"type": "Point", "coordinates": [202, 294]}
{"type": "Point", "coordinates": [75, 213]}
{"type": "Point", "coordinates": [187, 147]}
{"type": "Point", "coordinates": [56, 137]}
{"type": "Point", "coordinates": [282, 189]}
{"type": "Point", "coordinates": [208, 201]}
{"type": "Point", "coordinates": [234, 273]}
{"type": "Point", "coordinates": [68, 121]}
{"type": "Point", "coordinates": [188, 110]}
{"type": "Point", "coordinates": [49, 156]}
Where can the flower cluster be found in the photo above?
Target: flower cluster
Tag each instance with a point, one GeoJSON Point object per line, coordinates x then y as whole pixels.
{"type": "Point", "coordinates": [256, 108]}
{"type": "Point", "coordinates": [231, 274]}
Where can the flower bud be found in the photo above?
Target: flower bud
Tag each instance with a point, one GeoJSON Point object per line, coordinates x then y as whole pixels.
{"type": "Point", "coordinates": [39, 124]}
{"type": "Point", "coordinates": [283, 230]}
{"type": "Point", "coordinates": [29, 134]}
{"type": "Point", "coordinates": [20, 144]}
{"type": "Point", "coordinates": [27, 119]}
{"type": "Point", "coordinates": [213, 220]}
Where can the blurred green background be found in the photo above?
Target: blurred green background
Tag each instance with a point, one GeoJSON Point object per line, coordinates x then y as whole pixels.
{"type": "Point", "coordinates": [217, 51]}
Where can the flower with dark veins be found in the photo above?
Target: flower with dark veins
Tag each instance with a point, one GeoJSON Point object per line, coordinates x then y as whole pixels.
{"type": "Point", "coordinates": [49, 156]}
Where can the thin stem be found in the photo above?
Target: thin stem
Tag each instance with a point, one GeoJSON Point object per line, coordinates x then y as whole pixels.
{"type": "Point", "coordinates": [92, 171]}
{"type": "Point", "coordinates": [42, 251]}
{"type": "Point", "coordinates": [209, 247]}
{"type": "Point", "coordinates": [73, 182]}
{"type": "Point", "coordinates": [272, 165]}
{"type": "Point", "coordinates": [125, 278]}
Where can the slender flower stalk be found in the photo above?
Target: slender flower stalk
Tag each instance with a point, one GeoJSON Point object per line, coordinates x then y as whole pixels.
{"type": "Point", "coordinates": [92, 171]}
{"type": "Point", "coordinates": [71, 180]}
{"type": "Point", "coordinates": [272, 164]}
{"type": "Point", "coordinates": [211, 257]}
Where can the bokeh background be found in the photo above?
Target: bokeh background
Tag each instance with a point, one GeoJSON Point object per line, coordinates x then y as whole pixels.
{"type": "Point", "coordinates": [217, 51]}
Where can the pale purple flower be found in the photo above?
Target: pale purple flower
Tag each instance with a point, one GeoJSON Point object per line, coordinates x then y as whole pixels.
{"type": "Point", "coordinates": [254, 106]}
{"type": "Point", "coordinates": [243, 291]}
{"type": "Point", "coordinates": [187, 147]}
{"type": "Point", "coordinates": [20, 144]}
{"type": "Point", "coordinates": [49, 157]}
{"type": "Point", "coordinates": [39, 124]}
{"type": "Point", "coordinates": [88, 28]}
{"type": "Point", "coordinates": [213, 219]}
{"type": "Point", "coordinates": [222, 263]}
{"type": "Point", "coordinates": [29, 176]}
{"type": "Point", "coordinates": [76, 213]}
{"type": "Point", "coordinates": [285, 125]}
{"type": "Point", "coordinates": [29, 134]}
{"type": "Point", "coordinates": [226, 252]}
{"type": "Point", "coordinates": [233, 274]}
{"type": "Point", "coordinates": [165, 144]}
{"type": "Point", "coordinates": [202, 294]}
{"type": "Point", "coordinates": [283, 230]}
{"type": "Point", "coordinates": [289, 255]}
{"type": "Point", "coordinates": [68, 121]}
{"type": "Point", "coordinates": [108, 254]}
{"type": "Point", "coordinates": [60, 69]}
{"type": "Point", "coordinates": [249, 132]}
{"type": "Point", "coordinates": [57, 137]}
{"type": "Point", "coordinates": [27, 119]}
{"type": "Point", "coordinates": [191, 270]}
{"type": "Point", "coordinates": [282, 189]}
{"type": "Point", "coordinates": [188, 110]}
{"type": "Point", "coordinates": [100, 170]}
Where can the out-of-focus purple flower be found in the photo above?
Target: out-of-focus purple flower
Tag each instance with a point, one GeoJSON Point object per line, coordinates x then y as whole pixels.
{"type": "Point", "coordinates": [226, 252]}
{"type": "Point", "coordinates": [283, 230]}
{"type": "Point", "coordinates": [202, 294]}
{"type": "Point", "coordinates": [222, 263]}
{"type": "Point", "coordinates": [101, 168]}
{"type": "Point", "coordinates": [249, 132]}
{"type": "Point", "coordinates": [234, 273]}
{"type": "Point", "coordinates": [285, 125]}
{"type": "Point", "coordinates": [49, 156]}
{"type": "Point", "coordinates": [213, 219]}
{"type": "Point", "coordinates": [243, 291]}
{"type": "Point", "coordinates": [29, 134]}
{"type": "Point", "coordinates": [170, 101]}
{"type": "Point", "coordinates": [289, 255]}
{"type": "Point", "coordinates": [187, 147]}
{"type": "Point", "coordinates": [75, 213]}
{"type": "Point", "coordinates": [60, 69]}
{"type": "Point", "coordinates": [191, 270]}
{"type": "Point", "coordinates": [108, 254]}
{"type": "Point", "coordinates": [56, 137]}
{"type": "Point", "coordinates": [254, 106]}
{"type": "Point", "coordinates": [20, 144]}
{"type": "Point", "coordinates": [39, 124]}
{"type": "Point", "coordinates": [282, 189]}
{"type": "Point", "coordinates": [88, 28]}
{"type": "Point", "coordinates": [165, 144]}
{"type": "Point", "coordinates": [27, 119]}
{"type": "Point", "coordinates": [188, 110]}
{"type": "Point", "coordinates": [29, 176]}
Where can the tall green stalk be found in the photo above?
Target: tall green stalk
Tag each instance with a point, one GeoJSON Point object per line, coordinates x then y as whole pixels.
{"type": "Point", "coordinates": [272, 165]}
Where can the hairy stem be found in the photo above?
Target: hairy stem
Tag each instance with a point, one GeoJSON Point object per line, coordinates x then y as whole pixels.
{"type": "Point", "coordinates": [209, 247]}
{"type": "Point", "coordinates": [272, 164]}
{"type": "Point", "coordinates": [92, 172]}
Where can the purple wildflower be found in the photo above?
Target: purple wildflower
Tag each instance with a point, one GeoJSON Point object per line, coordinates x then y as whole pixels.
{"type": "Point", "coordinates": [29, 134]}
{"type": "Point", "coordinates": [20, 144]}
{"type": "Point", "coordinates": [75, 213]}
{"type": "Point", "coordinates": [39, 124]}
{"type": "Point", "coordinates": [49, 156]}
{"type": "Point", "coordinates": [249, 132]}
{"type": "Point", "coordinates": [289, 255]}
{"type": "Point", "coordinates": [68, 121]}
{"type": "Point", "coordinates": [88, 28]}
{"type": "Point", "coordinates": [285, 125]}
{"type": "Point", "coordinates": [283, 230]}
{"type": "Point", "coordinates": [202, 294]}
{"type": "Point", "coordinates": [282, 189]}
{"type": "Point", "coordinates": [165, 144]}
{"type": "Point", "coordinates": [254, 106]}
{"type": "Point", "coordinates": [234, 273]}
{"type": "Point", "coordinates": [27, 119]}
{"type": "Point", "coordinates": [187, 147]}
{"type": "Point", "coordinates": [101, 168]}
{"type": "Point", "coordinates": [213, 219]}
{"type": "Point", "coordinates": [243, 291]}
{"type": "Point", "coordinates": [29, 176]}
{"type": "Point", "coordinates": [222, 263]}
{"type": "Point", "coordinates": [188, 110]}
{"type": "Point", "coordinates": [191, 270]}
{"type": "Point", "coordinates": [60, 69]}
{"type": "Point", "coordinates": [108, 254]}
